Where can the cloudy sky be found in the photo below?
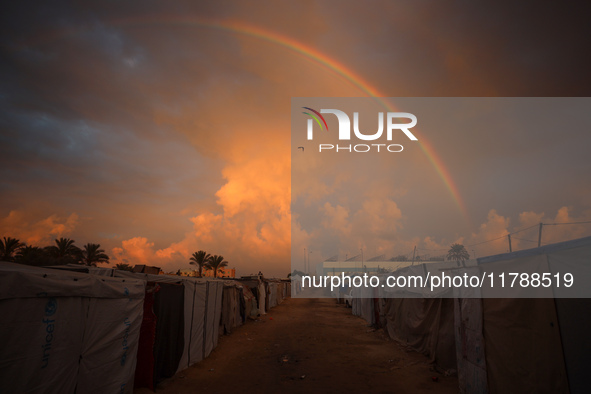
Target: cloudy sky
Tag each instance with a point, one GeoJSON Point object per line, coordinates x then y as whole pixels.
{"type": "Point", "coordinates": [160, 129]}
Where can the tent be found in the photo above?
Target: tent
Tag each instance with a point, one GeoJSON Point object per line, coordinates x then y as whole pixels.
{"type": "Point", "coordinates": [189, 315]}
{"type": "Point", "coordinates": [67, 332]}
{"type": "Point", "coordinates": [527, 344]}
{"type": "Point", "coordinates": [231, 300]}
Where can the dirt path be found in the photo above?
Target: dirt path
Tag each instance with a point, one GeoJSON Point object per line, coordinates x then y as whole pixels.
{"type": "Point", "coordinates": [308, 346]}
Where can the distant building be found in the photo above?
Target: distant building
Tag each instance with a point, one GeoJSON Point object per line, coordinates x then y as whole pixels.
{"type": "Point", "coordinates": [374, 265]}
{"type": "Point", "coordinates": [188, 272]}
{"type": "Point", "coordinates": [224, 273]}
{"type": "Point", "coordinates": [146, 269]}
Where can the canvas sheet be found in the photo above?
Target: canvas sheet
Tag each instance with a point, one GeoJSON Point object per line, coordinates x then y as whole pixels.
{"type": "Point", "coordinates": [64, 331]}
{"type": "Point", "coordinates": [424, 324]}
{"type": "Point", "coordinates": [213, 314]}
{"type": "Point", "coordinates": [523, 346]}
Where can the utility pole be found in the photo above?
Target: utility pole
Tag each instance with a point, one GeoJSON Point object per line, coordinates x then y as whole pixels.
{"type": "Point", "coordinates": [540, 235]}
{"type": "Point", "coordinates": [362, 260]}
{"type": "Point", "coordinates": [413, 255]}
{"type": "Point", "coordinates": [305, 260]}
{"type": "Point", "coordinates": [509, 237]}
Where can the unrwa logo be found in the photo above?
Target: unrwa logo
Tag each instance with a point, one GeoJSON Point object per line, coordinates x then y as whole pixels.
{"type": "Point", "coordinates": [345, 124]}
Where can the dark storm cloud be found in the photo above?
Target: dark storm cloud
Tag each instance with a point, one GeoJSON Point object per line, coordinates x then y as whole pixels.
{"type": "Point", "coordinates": [500, 48]}
{"type": "Point", "coordinates": [142, 124]}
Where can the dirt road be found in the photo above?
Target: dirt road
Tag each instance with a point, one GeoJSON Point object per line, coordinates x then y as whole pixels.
{"type": "Point", "coordinates": [308, 346]}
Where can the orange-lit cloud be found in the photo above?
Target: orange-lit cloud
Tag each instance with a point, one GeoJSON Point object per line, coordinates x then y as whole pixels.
{"type": "Point", "coordinates": [37, 232]}
{"type": "Point", "coordinates": [167, 139]}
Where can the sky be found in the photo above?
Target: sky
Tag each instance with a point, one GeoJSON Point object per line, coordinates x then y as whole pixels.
{"type": "Point", "coordinates": [159, 129]}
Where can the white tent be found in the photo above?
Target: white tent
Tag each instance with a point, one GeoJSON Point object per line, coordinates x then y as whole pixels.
{"type": "Point", "coordinates": [67, 332]}
{"type": "Point", "coordinates": [202, 312]}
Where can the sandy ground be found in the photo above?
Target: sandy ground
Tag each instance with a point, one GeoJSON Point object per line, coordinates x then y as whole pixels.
{"type": "Point", "coordinates": [309, 346]}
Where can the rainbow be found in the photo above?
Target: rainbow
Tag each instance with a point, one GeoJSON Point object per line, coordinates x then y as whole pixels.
{"type": "Point", "coordinates": [308, 52]}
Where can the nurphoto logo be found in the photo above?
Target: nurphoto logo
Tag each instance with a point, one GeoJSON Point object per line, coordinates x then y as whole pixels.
{"type": "Point", "coordinates": [344, 132]}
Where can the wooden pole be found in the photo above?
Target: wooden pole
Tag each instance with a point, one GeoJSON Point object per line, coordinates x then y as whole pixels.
{"type": "Point", "coordinates": [509, 237]}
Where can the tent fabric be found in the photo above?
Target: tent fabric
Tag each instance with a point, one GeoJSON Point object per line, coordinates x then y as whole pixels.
{"type": "Point", "coordinates": [193, 309]}
{"type": "Point", "coordinates": [424, 324]}
{"type": "Point", "coordinates": [523, 346]}
{"type": "Point", "coordinates": [41, 341]}
{"type": "Point", "coordinates": [470, 350]}
{"type": "Point", "coordinates": [22, 281]}
{"type": "Point", "coordinates": [251, 309]}
{"type": "Point", "coordinates": [262, 298]}
{"type": "Point", "coordinates": [144, 372]}
{"type": "Point", "coordinates": [65, 331]}
{"type": "Point", "coordinates": [575, 325]}
{"type": "Point", "coordinates": [213, 313]}
{"type": "Point", "coordinates": [363, 304]}
{"type": "Point", "coordinates": [271, 295]}
{"type": "Point", "coordinates": [296, 284]}
{"type": "Point", "coordinates": [109, 349]}
{"type": "Point", "coordinates": [170, 326]}
{"type": "Point", "coordinates": [230, 317]}
{"type": "Point", "coordinates": [196, 338]}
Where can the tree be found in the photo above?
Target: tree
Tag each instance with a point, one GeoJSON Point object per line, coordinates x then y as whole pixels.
{"type": "Point", "coordinates": [9, 247]}
{"type": "Point", "coordinates": [32, 255]}
{"type": "Point", "coordinates": [64, 251]}
{"type": "Point", "coordinates": [92, 254]}
{"type": "Point", "coordinates": [123, 267]}
{"type": "Point", "coordinates": [217, 264]}
{"type": "Point", "coordinates": [458, 253]}
{"type": "Point", "coordinates": [200, 259]}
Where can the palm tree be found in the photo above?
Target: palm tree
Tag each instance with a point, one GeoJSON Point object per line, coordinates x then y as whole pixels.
{"type": "Point", "coordinates": [32, 255]}
{"type": "Point", "coordinates": [64, 251]}
{"type": "Point", "coordinates": [458, 253]}
{"type": "Point", "coordinates": [200, 259]}
{"type": "Point", "coordinates": [123, 267]}
{"type": "Point", "coordinates": [216, 263]}
{"type": "Point", "coordinates": [92, 254]}
{"type": "Point", "coordinates": [9, 247]}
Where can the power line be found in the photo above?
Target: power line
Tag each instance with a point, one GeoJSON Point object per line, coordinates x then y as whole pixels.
{"type": "Point", "coordinates": [558, 224]}
{"type": "Point", "coordinates": [521, 239]}
{"type": "Point", "coordinates": [523, 229]}
{"type": "Point", "coordinates": [490, 240]}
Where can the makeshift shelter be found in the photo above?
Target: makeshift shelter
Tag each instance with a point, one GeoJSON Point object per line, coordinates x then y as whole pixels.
{"type": "Point", "coordinates": [413, 316]}
{"type": "Point", "coordinates": [231, 300]}
{"type": "Point", "coordinates": [67, 332]}
{"type": "Point", "coordinates": [251, 309]}
{"type": "Point", "coordinates": [259, 290]}
{"type": "Point", "coordinates": [187, 314]}
{"type": "Point", "coordinates": [525, 344]}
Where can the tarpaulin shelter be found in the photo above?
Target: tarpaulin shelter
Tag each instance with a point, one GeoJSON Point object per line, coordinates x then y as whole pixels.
{"type": "Point", "coordinates": [259, 290]}
{"type": "Point", "coordinates": [231, 300]}
{"type": "Point", "coordinates": [276, 292]}
{"type": "Point", "coordinates": [422, 320]}
{"type": "Point", "coordinates": [527, 344]}
{"type": "Point", "coordinates": [67, 332]}
{"type": "Point", "coordinates": [189, 313]}
{"type": "Point", "coordinates": [251, 309]}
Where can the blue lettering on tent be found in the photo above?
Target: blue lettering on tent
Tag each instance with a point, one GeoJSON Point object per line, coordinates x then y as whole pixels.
{"type": "Point", "coordinates": [127, 324]}
{"type": "Point", "coordinates": [50, 309]}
